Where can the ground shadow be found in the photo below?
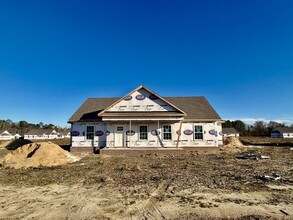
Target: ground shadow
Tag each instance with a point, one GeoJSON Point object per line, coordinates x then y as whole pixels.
{"type": "Point", "coordinates": [13, 145]}
{"type": "Point", "coordinates": [65, 147]}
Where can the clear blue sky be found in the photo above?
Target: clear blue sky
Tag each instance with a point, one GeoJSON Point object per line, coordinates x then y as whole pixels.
{"type": "Point", "coordinates": [55, 54]}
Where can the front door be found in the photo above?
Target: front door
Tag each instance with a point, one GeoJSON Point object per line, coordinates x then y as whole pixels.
{"type": "Point", "coordinates": [119, 136]}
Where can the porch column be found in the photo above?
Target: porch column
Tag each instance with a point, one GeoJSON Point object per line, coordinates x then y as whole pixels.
{"type": "Point", "coordinates": [158, 133]}
{"type": "Point", "coordinates": [130, 133]}
{"type": "Point", "coordinates": [178, 137]}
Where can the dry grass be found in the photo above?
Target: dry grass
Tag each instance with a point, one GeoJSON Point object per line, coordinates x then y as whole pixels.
{"type": "Point", "coordinates": [267, 140]}
{"type": "Point", "coordinates": [222, 171]}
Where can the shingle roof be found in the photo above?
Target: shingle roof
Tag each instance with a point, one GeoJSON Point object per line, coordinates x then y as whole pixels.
{"type": "Point", "coordinates": [64, 132]}
{"type": "Point", "coordinates": [39, 132]}
{"type": "Point", "coordinates": [229, 131]}
{"type": "Point", "coordinates": [90, 109]}
{"type": "Point", "coordinates": [196, 107]}
{"type": "Point", "coordinates": [283, 130]}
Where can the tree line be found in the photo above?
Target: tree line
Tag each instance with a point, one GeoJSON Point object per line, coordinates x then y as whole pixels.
{"type": "Point", "coordinates": [23, 127]}
{"type": "Point", "coordinates": [258, 128]}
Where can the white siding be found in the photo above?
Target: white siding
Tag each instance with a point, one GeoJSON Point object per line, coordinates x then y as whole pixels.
{"type": "Point", "coordinates": [209, 139]}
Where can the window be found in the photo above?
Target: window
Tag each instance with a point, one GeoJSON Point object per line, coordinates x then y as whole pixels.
{"type": "Point", "coordinates": [167, 134]}
{"type": "Point", "coordinates": [90, 132]}
{"type": "Point", "coordinates": [119, 128]}
{"type": "Point", "coordinates": [143, 132]}
{"type": "Point", "coordinates": [198, 135]}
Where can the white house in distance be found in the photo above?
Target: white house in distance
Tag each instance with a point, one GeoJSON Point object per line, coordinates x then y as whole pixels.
{"type": "Point", "coordinates": [64, 134]}
{"type": "Point", "coordinates": [44, 134]}
{"type": "Point", "coordinates": [6, 135]}
{"type": "Point", "coordinates": [230, 132]}
{"type": "Point", "coordinates": [143, 118]}
{"type": "Point", "coordinates": [282, 132]}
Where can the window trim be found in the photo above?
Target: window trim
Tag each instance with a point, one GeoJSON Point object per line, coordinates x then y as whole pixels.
{"type": "Point", "coordinates": [147, 132]}
{"type": "Point", "coordinates": [166, 132]}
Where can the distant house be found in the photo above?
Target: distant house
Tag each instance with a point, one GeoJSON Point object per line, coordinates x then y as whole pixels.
{"type": "Point", "coordinates": [42, 134]}
{"type": "Point", "coordinates": [64, 134]}
{"type": "Point", "coordinates": [6, 135]}
{"type": "Point", "coordinates": [230, 132]}
{"type": "Point", "coordinates": [281, 132]}
{"type": "Point", "coordinates": [16, 135]}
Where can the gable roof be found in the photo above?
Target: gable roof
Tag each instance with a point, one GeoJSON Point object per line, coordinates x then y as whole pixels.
{"type": "Point", "coordinates": [104, 112]}
{"type": "Point", "coordinates": [64, 133]}
{"type": "Point", "coordinates": [229, 131]}
{"type": "Point", "coordinates": [2, 133]}
{"type": "Point", "coordinates": [283, 130]}
{"type": "Point", "coordinates": [196, 107]}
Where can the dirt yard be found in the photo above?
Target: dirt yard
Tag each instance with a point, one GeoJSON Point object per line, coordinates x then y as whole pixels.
{"type": "Point", "coordinates": [152, 186]}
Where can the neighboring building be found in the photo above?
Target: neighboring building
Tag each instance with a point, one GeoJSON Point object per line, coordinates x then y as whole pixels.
{"type": "Point", "coordinates": [6, 135]}
{"type": "Point", "coordinates": [142, 118]}
{"type": "Point", "coordinates": [282, 132]}
{"type": "Point", "coordinates": [42, 134]}
{"type": "Point", "coordinates": [230, 132]}
{"type": "Point", "coordinates": [16, 135]}
{"type": "Point", "coordinates": [64, 134]}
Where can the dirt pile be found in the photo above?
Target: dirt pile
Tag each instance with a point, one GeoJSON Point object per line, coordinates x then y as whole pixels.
{"type": "Point", "coordinates": [232, 144]}
{"type": "Point", "coordinates": [4, 143]}
{"type": "Point", "coordinates": [38, 154]}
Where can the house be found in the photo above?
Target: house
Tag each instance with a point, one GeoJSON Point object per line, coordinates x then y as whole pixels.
{"type": "Point", "coordinates": [42, 134]}
{"type": "Point", "coordinates": [6, 135]}
{"type": "Point", "coordinates": [230, 132]}
{"type": "Point", "coordinates": [64, 134]}
{"type": "Point", "coordinates": [15, 135]}
{"type": "Point", "coordinates": [143, 118]}
{"type": "Point", "coordinates": [282, 132]}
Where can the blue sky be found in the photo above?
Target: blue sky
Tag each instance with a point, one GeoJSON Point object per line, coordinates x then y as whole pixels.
{"type": "Point", "coordinates": [55, 54]}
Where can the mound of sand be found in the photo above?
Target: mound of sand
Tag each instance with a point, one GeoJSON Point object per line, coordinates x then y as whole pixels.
{"type": "Point", "coordinates": [232, 144]}
{"type": "Point", "coordinates": [38, 154]}
{"type": "Point", "coordinates": [4, 143]}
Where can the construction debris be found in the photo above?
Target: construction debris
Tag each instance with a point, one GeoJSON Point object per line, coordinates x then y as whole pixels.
{"type": "Point", "coordinates": [273, 177]}
{"type": "Point", "coordinates": [38, 154]}
{"type": "Point", "coordinates": [285, 213]}
{"type": "Point", "coordinates": [248, 156]}
{"type": "Point", "coordinates": [264, 157]}
{"type": "Point", "coordinates": [253, 157]}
